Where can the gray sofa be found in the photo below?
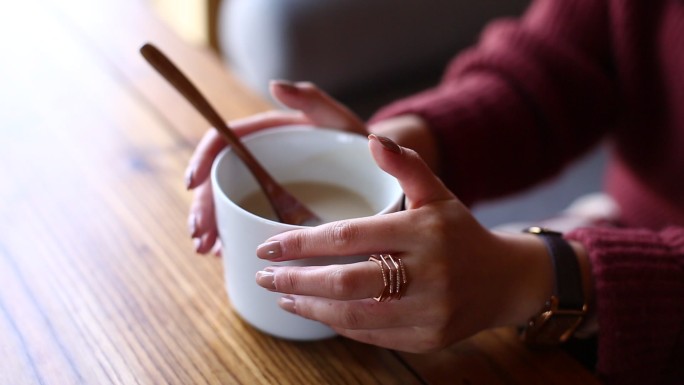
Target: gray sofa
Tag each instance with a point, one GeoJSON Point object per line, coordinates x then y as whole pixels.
{"type": "Point", "coordinates": [364, 52]}
{"type": "Point", "coordinates": [369, 52]}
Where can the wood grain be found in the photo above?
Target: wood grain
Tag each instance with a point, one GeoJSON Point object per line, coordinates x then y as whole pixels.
{"type": "Point", "coordinates": [99, 283]}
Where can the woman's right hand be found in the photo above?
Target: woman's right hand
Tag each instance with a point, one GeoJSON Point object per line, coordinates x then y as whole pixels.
{"type": "Point", "coordinates": [309, 105]}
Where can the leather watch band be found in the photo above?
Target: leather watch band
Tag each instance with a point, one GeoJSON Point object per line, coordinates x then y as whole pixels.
{"type": "Point", "coordinates": [566, 308]}
{"type": "Point", "coordinates": [568, 282]}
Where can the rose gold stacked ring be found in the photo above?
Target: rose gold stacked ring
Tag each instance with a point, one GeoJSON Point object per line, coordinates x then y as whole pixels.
{"type": "Point", "coordinates": [393, 277]}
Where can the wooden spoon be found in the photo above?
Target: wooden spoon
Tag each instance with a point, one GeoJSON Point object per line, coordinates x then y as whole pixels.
{"type": "Point", "coordinates": [287, 208]}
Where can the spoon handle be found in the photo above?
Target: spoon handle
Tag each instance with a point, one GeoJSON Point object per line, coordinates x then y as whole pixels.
{"type": "Point", "coordinates": [287, 208]}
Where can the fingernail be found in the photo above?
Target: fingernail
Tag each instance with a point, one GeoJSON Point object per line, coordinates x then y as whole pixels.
{"type": "Point", "coordinates": [287, 303]}
{"type": "Point", "coordinates": [286, 86]}
{"type": "Point", "coordinates": [189, 174]}
{"type": "Point", "coordinates": [269, 250]}
{"type": "Point", "coordinates": [197, 242]}
{"type": "Point", "coordinates": [266, 279]}
{"type": "Point", "coordinates": [192, 225]}
{"type": "Point", "coordinates": [387, 143]}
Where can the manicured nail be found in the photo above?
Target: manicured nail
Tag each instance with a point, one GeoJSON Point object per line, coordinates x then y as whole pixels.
{"type": "Point", "coordinates": [269, 250]}
{"type": "Point", "coordinates": [387, 143]}
{"type": "Point", "coordinates": [197, 242]}
{"type": "Point", "coordinates": [287, 303]}
{"type": "Point", "coordinates": [192, 225]}
{"type": "Point", "coordinates": [189, 174]}
{"type": "Point", "coordinates": [286, 86]}
{"type": "Point", "coordinates": [266, 279]}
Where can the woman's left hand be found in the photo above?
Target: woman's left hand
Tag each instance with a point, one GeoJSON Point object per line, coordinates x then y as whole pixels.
{"type": "Point", "coordinates": [462, 278]}
{"type": "Point", "coordinates": [309, 106]}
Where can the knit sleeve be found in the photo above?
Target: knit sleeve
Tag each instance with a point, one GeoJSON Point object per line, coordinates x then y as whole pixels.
{"type": "Point", "coordinates": [534, 94]}
{"type": "Point", "coordinates": [639, 295]}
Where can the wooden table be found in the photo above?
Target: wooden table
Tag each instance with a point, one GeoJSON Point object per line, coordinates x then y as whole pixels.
{"type": "Point", "coordinates": [99, 283]}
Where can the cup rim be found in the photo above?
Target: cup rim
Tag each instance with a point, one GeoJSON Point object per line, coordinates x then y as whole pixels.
{"type": "Point", "coordinates": [285, 129]}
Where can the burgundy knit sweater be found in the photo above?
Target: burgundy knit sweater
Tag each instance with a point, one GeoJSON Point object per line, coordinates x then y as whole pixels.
{"type": "Point", "coordinates": [538, 92]}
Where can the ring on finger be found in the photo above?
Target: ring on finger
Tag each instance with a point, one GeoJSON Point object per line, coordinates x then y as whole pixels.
{"type": "Point", "coordinates": [394, 277]}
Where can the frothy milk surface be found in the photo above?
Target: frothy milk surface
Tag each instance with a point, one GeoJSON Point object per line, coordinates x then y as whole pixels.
{"type": "Point", "coordinates": [330, 202]}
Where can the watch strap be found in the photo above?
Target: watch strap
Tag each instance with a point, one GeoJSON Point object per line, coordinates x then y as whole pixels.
{"type": "Point", "coordinates": [566, 308]}
{"type": "Point", "coordinates": [568, 277]}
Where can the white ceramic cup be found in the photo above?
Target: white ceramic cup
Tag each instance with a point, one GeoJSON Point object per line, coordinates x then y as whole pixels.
{"type": "Point", "coordinates": [290, 154]}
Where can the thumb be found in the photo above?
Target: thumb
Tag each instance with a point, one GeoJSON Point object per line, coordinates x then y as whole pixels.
{"type": "Point", "coordinates": [420, 185]}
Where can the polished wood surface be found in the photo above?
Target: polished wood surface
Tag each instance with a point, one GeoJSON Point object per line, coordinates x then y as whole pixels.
{"type": "Point", "coordinates": [99, 283]}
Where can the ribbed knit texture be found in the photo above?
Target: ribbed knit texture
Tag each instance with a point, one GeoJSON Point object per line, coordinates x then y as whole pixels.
{"type": "Point", "coordinates": [640, 302]}
{"type": "Point", "coordinates": [537, 93]}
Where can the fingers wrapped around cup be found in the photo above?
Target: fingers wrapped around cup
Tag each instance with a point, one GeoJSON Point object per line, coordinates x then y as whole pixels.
{"type": "Point", "coordinates": [383, 278]}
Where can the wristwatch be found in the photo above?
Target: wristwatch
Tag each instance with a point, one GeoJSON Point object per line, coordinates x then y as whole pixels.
{"type": "Point", "coordinates": [566, 308]}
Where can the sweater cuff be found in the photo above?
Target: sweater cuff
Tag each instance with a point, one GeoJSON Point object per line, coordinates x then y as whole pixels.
{"type": "Point", "coordinates": [639, 295]}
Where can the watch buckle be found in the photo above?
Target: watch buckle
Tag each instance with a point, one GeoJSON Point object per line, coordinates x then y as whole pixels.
{"type": "Point", "coordinates": [553, 325]}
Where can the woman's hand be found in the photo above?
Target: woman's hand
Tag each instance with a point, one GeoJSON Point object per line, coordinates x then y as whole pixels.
{"type": "Point", "coordinates": [462, 278]}
{"type": "Point", "coordinates": [311, 107]}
